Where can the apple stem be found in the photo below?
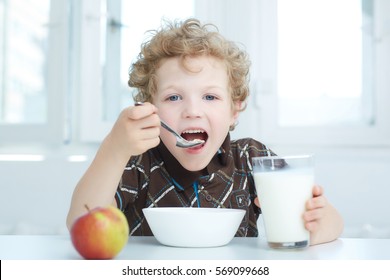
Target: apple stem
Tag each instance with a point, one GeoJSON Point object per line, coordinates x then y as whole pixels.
{"type": "Point", "coordinates": [86, 207]}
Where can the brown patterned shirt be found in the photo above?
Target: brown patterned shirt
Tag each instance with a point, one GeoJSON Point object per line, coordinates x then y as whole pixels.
{"type": "Point", "coordinates": [156, 179]}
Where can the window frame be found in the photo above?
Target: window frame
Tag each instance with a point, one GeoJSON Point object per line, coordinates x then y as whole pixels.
{"type": "Point", "coordinates": [93, 126]}
{"type": "Point", "coordinates": [265, 91]}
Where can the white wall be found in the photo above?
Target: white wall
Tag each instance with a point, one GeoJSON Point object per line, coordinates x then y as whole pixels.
{"type": "Point", "coordinates": [35, 196]}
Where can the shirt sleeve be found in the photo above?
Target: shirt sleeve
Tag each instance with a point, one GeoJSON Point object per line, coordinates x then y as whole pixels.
{"type": "Point", "coordinates": [250, 148]}
{"type": "Point", "coordinates": [132, 180]}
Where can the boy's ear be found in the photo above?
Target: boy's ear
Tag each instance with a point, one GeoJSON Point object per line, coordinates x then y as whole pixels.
{"type": "Point", "coordinates": [237, 110]}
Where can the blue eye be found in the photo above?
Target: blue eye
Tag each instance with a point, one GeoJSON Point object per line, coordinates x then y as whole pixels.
{"type": "Point", "coordinates": [209, 97]}
{"type": "Point", "coordinates": [174, 98]}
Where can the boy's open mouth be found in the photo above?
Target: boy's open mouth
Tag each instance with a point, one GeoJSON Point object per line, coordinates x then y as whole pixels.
{"type": "Point", "coordinates": [191, 135]}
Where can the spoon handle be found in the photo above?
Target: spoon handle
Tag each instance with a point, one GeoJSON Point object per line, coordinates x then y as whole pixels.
{"type": "Point", "coordinates": [163, 124]}
{"type": "Point", "coordinates": [167, 127]}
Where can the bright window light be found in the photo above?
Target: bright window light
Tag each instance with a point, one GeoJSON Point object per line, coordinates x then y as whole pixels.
{"type": "Point", "coordinates": [77, 158]}
{"type": "Point", "coordinates": [21, 157]}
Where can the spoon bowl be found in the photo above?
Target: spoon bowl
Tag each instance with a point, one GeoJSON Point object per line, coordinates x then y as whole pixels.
{"type": "Point", "coordinates": [180, 141]}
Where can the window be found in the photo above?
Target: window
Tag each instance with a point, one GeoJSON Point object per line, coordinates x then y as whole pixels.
{"type": "Point", "coordinates": [68, 81]}
{"type": "Point", "coordinates": [321, 72]}
{"type": "Point", "coordinates": [23, 72]}
{"type": "Point", "coordinates": [70, 62]}
{"type": "Point", "coordinates": [325, 62]}
{"type": "Point", "coordinates": [120, 28]}
{"type": "Point", "coordinates": [28, 82]}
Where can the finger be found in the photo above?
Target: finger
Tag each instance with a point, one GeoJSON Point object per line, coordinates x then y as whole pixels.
{"type": "Point", "coordinates": [316, 202]}
{"type": "Point", "coordinates": [142, 146]}
{"type": "Point", "coordinates": [317, 190]}
{"type": "Point", "coordinates": [151, 121]}
{"type": "Point", "coordinates": [313, 215]}
{"type": "Point", "coordinates": [312, 226]}
{"type": "Point", "coordinates": [151, 143]}
{"type": "Point", "coordinates": [140, 112]}
{"type": "Point", "coordinates": [150, 133]}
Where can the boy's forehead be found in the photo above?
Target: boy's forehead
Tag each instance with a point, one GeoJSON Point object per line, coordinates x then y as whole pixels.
{"type": "Point", "coordinates": [193, 63]}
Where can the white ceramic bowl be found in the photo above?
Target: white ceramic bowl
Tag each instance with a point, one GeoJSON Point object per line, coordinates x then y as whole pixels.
{"type": "Point", "coordinates": [193, 227]}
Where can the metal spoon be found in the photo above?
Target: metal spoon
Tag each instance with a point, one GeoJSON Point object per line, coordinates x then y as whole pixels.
{"type": "Point", "coordinates": [180, 141]}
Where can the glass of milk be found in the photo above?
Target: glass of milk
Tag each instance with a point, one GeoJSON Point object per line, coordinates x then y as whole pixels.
{"type": "Point", "coordinates": [284, 185]}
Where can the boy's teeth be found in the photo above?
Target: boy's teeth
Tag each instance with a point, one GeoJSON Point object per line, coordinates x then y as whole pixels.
{"type": "Point", "coordinates": [195, 135]}
{"type": "Point", "coordinates": [193, 131]}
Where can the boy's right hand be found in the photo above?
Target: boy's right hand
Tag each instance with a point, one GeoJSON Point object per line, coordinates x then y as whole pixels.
{"type": "Point", "coordinates": [136, 130]}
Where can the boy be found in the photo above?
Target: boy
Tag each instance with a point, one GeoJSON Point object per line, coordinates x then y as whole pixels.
{"type": "Point", "coordinates": [191, 77]}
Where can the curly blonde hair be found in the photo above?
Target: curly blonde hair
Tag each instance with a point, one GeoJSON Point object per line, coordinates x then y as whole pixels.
{"type": "Point", "coordinates": [184, 39]}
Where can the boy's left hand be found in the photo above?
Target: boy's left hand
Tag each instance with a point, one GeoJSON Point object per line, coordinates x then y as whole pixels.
{"type": "Point", "coordinates": [321, 218]}
{"type": "Point", "coordinates": [315, 209]}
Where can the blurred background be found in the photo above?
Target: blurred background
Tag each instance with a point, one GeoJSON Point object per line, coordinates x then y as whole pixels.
{"type": "Point", "coordinates": [320, 84]}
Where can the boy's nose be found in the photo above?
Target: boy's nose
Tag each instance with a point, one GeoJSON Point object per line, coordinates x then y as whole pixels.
{"type": "Point", "coordinates": [192, 109]}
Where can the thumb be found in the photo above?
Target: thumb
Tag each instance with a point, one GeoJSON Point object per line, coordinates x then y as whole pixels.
{"type": "Point", "coordinates": [256, 201]}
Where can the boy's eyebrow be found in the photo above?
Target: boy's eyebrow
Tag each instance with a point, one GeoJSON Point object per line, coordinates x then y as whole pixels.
{"type": "Point", "coordinates": [169, 87]}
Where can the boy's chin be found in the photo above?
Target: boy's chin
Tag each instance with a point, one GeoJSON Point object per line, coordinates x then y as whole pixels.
{"type": "Point", "coordinates": [195, 164]}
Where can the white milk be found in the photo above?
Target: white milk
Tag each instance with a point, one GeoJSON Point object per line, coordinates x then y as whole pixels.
{"type": "Point", "coordinates": [282, 196]}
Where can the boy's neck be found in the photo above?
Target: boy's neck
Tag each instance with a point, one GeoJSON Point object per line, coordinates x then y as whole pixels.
{"type": "Point", "coordinates": [184, 177]}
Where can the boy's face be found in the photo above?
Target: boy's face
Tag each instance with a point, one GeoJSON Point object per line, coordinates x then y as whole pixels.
{"type": "Point", "coordinates": [197, 104]}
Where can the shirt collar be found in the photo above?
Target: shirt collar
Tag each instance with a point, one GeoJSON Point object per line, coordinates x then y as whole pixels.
{"type": "Point", "coordinates": [186, 178]}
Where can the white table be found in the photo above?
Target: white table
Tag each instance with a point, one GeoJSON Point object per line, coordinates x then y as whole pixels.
{"type": "Point", "coordinates": [59, 247]}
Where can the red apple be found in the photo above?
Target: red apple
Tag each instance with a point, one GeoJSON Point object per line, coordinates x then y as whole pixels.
{"type": "Point", "coordinates": [101, 233]}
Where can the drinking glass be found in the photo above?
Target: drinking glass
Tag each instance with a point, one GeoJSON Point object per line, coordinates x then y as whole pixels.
{"type": "Point", "coordinates": [284, 185]}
